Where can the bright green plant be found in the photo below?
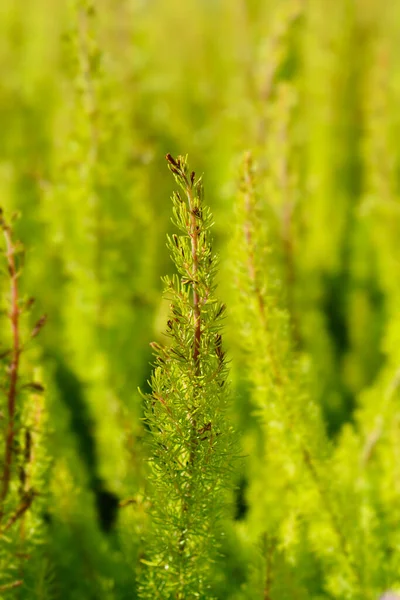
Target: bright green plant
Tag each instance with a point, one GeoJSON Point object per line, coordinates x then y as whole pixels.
{"type": "Point", "coordinates": [190, 436]}
{"type": "Point", "coordinates": [302, 518]}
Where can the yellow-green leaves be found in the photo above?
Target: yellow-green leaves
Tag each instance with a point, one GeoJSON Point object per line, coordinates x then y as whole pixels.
{"type": "Point", "coordinates": [190, 436]}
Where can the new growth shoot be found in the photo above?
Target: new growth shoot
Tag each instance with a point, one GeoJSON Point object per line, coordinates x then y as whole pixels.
{"type": "Point", "coordinates": [185, 412]}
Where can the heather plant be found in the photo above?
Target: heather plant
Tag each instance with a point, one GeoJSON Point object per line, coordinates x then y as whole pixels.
{"type": "Point", "coordinates": [24, 463]}
{"type": "Point", "coordinates": [83, 204]}
{"type": "Point", "coordinates": [190, 436]}
{"type": "Point", "coordinates": [334, 548]}
{"type": "Point", "coordinates": [289, 517]}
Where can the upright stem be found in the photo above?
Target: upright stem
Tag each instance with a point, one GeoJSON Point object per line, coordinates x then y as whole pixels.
{"type": "Point", "coordinates": [251, 265]}
{"type": "Point", "coordinates": [287, 232]}
{"type": "Point", "coordinates": [89, 95]}
{"type": "Point", "coordinates": [269, 551]}
{"type": "Point", "coordinates": [193, 273]}
{"type": "Point", "coordinates": [14, 367]}
{"type": "Point", "coordinates": [279, 376]}
{"type": "Point", "coordinates": [196, 300]}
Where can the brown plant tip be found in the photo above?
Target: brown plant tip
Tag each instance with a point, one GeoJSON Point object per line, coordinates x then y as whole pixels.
{"type": "Point", "coordinates": [221, 310]}
{"type": "Point", "coordinates": [29, 303]}
{"type": "Point", "coordinates": [171, 160]}
{"type": "Point", "coordinates": [156, 347]}
{"type": "Point", "coordinates": [34, 386]}
{"type": "Point", "coordinates": [197, 212]}
{"type": "Point", "coordinates": [39, 325]}
{"type": "Point", "coordinates": [206, 427]}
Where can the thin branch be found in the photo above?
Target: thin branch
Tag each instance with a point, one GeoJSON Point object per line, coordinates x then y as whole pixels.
{"type": "Point", "coordinates": [14, 364]}
{"type": "Point", "coordinates": [249, 193]}
{"type": "Point", "coordinates": [270, 549]}
{"type": "Point", "coordinates": [196, 300]}
{"type": "Point", "coordinates": [279, 377]}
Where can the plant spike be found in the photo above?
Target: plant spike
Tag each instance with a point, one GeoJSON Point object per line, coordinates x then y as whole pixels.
{"type": "Point", "coordinates": [22, 472]}
{"type": "Point", "coordinates": [190, 439]}
{"type": "Point", "coordinates": [293, 428]}
{"type": "Point", "coordinates": [14, 317]}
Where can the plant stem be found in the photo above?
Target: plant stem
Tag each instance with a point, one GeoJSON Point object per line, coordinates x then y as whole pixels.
{"type": "Point", "coordinates": [281, 378]}
{"type": "Point", "coordinates": [14, 366]}
{"type": "Point", "coordinates": [196, 300]}
{"type": "Point", "coordinates": [251, 266]}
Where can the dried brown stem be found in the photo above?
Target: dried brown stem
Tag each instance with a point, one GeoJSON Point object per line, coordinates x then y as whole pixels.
{"type": "Point", "coordinates": [196, 300]}
{"type": "Point", "coordinates": [14, 365]}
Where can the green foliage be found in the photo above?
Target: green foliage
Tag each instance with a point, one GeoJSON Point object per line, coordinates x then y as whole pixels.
{"type": "Point", "coordinates": [191, 455]}
{"type": "Point", "coordinates": [101, 488]}
{"type": "Point", "coordinates": [296, 453]}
